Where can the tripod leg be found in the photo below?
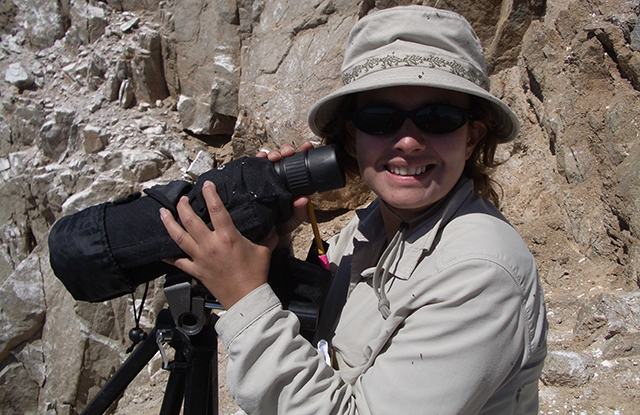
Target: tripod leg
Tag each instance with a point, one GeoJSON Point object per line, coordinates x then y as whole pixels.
{"type": "Point", "coordinates": [175, 390]}
{"type": "Point", "coordinates": [201, 393]}
{"type": "Point", "coordinates": [123, 377]}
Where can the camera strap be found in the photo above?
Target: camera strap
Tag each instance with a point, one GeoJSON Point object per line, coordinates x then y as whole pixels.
{"type": "Point", "coordinates": [336, 298]}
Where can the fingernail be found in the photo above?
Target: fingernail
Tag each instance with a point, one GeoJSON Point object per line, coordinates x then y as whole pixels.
{"type": "Point", "coordinates": [163, 213]}
{"type": "Point", "coordinates": [207, 184]}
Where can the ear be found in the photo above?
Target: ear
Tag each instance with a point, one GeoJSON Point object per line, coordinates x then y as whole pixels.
{"type": "Point", "coordinates": [477, 130]}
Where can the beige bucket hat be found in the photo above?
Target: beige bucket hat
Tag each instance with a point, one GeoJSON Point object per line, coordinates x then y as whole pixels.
{"type": "Point", "coordinates": [413, 45]}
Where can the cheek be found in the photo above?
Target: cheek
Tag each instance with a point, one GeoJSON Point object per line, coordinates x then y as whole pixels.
{"type": "Point", "coordinates": [361, 156]}
{"type": "Point", "coordinates": [454, 149]}
{"type": "Point", "coordinates": [365, 148]}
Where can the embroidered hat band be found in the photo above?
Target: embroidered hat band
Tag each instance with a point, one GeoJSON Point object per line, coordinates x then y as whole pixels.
{"type": "Point", "coordinates": [428, 61]}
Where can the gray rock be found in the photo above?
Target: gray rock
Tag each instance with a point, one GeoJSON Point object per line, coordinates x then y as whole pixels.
{"type": "Point", "coordinates": [195, 116]}
{"type": "Point", "coordinates": [18, 392]}
{"type": "Point", "coordinates": [25, 119]}
{"type": "Point", "coordinates": [146, 68]}
{"type": "Point", "coordinates": [22, 305]}
{"type": "Point", "coordinates": [126, 95]}
{"type": "Point", "coordinates": [55, 134]}
{"type": "Point", "coordinates": [130, 24]}
{"type": "Point", "coordinates": [46, 25]}
{"type": "Point", "coordinates": [202, 164]}
{"type": "Point", "coordinates": [606, 316]}
{"type": "Point", "coordinates": [635, 37]}
{"type": "Point", "coordinates": [207, 59]}
{"type": "Point", "coordinates": [90, 21]}
{"type": "Point", "coordinates": [629, 188]}
{"type": "Point", "coordinates": [131, 5]}
{"type": "Point", "coordinates": [622, 345]}
{"type": "Point", "coordinates": [18, 76]}
{"type": "Point", "coordinates": [17, 237]}
{"type": "Point", "coordinates": [32, 358]}
{"type": "Point", "coordinates": [93, 139]}
{"type": "Point", "coordinates": [140, 166]}
{"type": "Point", "coordinates": [569, 369]}
{"type": "Point", "coordinates": [100, 191]}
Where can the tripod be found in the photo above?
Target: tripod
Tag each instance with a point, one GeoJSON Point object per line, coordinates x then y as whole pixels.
{"type": "Point", "coordinates": [187, 326]}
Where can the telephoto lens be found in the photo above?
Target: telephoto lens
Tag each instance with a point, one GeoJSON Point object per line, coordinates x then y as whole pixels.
{"type": "Point", "coordinates": [106, 250]}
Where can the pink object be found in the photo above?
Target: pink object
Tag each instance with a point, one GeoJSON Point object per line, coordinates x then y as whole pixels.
{"type": "Point", "coordinates": [324, 261]}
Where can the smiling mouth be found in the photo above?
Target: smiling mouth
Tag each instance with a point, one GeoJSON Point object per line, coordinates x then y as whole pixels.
{"type": "Point", "coordinates": [404, 171]}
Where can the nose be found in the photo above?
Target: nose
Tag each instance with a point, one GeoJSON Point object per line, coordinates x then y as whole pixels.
{"type": "Point", "coordinates": [410, 138]}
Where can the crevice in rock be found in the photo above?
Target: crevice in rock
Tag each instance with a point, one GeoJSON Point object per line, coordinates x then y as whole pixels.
{"type": "Point", "coordinates": [534, 86]}
{"type": "Point", "coordinates": [622, 63]}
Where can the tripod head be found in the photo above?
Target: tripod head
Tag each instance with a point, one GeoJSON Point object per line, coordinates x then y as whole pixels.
{"type": "Point", "coordinates": [189, 302]}
{"type": "Point", "coordinates": [301, 286]}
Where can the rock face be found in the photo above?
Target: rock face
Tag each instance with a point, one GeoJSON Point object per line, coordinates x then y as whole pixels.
{"type": "Point", "coordinates": [101, 99]}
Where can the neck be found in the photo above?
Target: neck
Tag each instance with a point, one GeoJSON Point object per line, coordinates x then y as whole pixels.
{"type": "Point", "coordinates": [392, 219]}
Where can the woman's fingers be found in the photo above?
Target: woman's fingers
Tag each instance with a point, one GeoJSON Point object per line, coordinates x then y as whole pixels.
{"type": "Point", "coordinates": [226, 262]}
{"type": "Point", "coordinates": [299, 215]}
{"type": "Point", "coordinates": [220, 217]}
{"type": "Point", "coordinates": [184, 264]}
{"type": "Point", "coordinates": [306, 146]}
{"type": "Point", "coordinates": [300, 210]}
{"type": "Point", "coordinates": [287, 150]}
{"type": "Point", "coordinates": [181, 237]}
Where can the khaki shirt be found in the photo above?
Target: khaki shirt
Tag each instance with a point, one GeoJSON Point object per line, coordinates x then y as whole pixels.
{"type": "Point", "coordinates": [466, 333]}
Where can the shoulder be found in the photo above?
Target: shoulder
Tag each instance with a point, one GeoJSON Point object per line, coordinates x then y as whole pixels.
{"type": "Point", "coordinates": [366, 225]}
{"type": "Point", "coordinates": [479, 232]}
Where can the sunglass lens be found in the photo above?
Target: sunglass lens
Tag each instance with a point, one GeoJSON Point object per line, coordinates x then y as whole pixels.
{"type": "Point", "coordinates": [441, 119]}
{"type": "Point", "coordinates": [377, 120]}
{"type": "Point", "coordinates": [433, 119]}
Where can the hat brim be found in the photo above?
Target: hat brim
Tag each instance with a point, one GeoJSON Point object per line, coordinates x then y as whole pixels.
{"type": "Point", "coordinates": [324, 111]}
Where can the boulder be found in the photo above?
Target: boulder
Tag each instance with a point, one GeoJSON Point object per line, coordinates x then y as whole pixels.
{"type": "Point", "coordinates": [23, 307]}
{"type": "Point", "coordinates": [146, 68]}
{"type": "Point", "coordinates": [57, 132]}
{"type": "Point", "coordinates": [18, 76]}
{"type": "Point", "coordinates": [45, 26]}
{"type": "Point", "coordinates": [567, 369]}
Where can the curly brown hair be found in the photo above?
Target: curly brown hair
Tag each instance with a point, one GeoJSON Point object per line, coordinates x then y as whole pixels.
{"type": "Point", "coordinates": [478, 167]}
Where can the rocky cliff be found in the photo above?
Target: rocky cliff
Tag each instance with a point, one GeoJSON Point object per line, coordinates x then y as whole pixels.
{"type": "Point", "coordinates": [103, 98]}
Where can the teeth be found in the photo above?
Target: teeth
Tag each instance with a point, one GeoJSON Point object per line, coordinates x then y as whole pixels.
{"type": "Point", "coordinates": [403, 171]}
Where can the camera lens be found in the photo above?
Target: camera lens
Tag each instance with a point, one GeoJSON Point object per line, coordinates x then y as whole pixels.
{"type": "Point", "coordinates": [315, 170]}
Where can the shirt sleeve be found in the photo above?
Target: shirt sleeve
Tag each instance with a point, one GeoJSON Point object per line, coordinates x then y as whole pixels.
{"type": "Point", "coordinates": [272, 369]}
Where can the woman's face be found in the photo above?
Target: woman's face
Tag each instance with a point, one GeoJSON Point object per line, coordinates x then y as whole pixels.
{"type": "Point", "coordinates": [409, 168]}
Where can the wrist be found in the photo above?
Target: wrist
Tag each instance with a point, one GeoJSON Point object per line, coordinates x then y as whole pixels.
{"type": "Point", "coordinates": [238, 292]}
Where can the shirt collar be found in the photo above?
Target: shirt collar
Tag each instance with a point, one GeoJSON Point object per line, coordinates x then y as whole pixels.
{"type": "Point", "coordinates": [419, 241]}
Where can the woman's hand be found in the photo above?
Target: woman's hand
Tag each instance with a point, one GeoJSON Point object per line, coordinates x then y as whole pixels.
{"type": "Point", "coordinates": [300, 212]}
{"type": "Point", "coordinates": [229, 265]}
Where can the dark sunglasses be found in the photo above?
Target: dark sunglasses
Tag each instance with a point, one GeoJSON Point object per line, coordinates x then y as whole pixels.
{"type": "Point", "coordinates": [432, 119]}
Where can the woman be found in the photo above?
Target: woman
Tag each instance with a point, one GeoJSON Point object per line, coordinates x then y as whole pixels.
{"type": "Point", "coordinates": [444, 311]}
